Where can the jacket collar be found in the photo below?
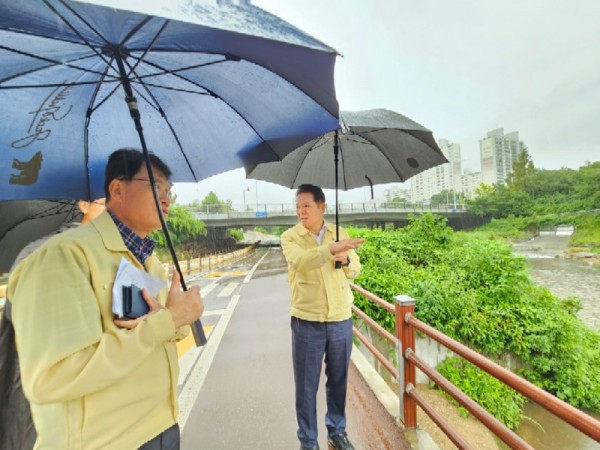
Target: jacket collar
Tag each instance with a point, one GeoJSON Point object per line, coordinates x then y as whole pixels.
{"type": "Point", "coordinates": [109, 232]}
{"type": "Point", "coordinates": [303, 231]}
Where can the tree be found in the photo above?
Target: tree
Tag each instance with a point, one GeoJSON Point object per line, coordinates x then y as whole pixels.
{"type": "Point", "coordinates": [213, 204]}
{"type": "Point", "coordinates": [445, 197]}
{"type": "Point", "coordinates": [587, 185]}
{"type": "Point", "coordinates": [522, 169]}
{"type": "Point", "coordinates": [500, 201]}
{"type": "Point", "coordinates": [183, 227]}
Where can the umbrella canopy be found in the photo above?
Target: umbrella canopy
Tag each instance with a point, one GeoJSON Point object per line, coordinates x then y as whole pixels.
{"type": "Point", "coordinates": [229, 86]}
{"type": "Point", "coordinates": [377, 146]}
{"type": "Point", "coordinates": [22, 222]}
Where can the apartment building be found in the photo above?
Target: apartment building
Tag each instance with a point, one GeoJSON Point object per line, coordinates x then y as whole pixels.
{"type": "Point", "coordinates": [443, 177]}
{"type": "Point", "coordinates": [498, 151]}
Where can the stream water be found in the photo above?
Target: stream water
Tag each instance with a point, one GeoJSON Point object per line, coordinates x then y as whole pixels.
{"type": "Point", "coordinates": [564, 277]}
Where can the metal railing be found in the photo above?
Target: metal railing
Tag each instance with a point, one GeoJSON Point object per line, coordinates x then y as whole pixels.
{"type": "Point", "coordinates": [211, 261]}
{"type": "Point", "coordinates": [404, 341]}
{"type": "Point", "coordinates": [228, 211]}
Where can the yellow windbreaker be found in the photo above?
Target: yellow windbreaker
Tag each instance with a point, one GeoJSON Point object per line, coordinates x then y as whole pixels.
{"type": "Point", "coordinates": [91, 385]}
{"type": "Point", "coordinates": [319, 291]}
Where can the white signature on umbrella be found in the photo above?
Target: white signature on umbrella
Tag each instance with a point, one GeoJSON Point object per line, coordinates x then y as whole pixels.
{"type": "Point", "coordinates": [51, 109]}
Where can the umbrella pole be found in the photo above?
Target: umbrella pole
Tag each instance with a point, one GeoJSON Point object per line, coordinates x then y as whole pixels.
{"type": "Point", "coordinates": [197, 329]}
{"type": "Point", "coordinates": [336, 152]}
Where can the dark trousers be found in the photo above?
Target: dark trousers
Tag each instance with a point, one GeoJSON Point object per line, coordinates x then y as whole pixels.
{"type": "Point", "coordinates": [311, 342]}
{"type": "Point", "coordinates": [167, 440]}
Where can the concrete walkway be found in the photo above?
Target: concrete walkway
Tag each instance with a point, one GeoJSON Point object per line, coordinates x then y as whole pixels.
{"type": "Point", "coordinates": [240, 392]}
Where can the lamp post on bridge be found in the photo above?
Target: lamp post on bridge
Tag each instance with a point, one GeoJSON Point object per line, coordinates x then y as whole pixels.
{"type": "Point", "coordinates": [244, 193]}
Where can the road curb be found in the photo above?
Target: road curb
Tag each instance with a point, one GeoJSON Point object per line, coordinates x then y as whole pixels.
{"type": "Point", "coordinates": [386, 396]}
{"type": "Point", "coordinates": [419, 438]}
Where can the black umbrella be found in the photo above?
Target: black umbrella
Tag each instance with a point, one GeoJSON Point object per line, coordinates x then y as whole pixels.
{"type": "Point", "coordinates": [227, 86]}
{"type": "Point", "coordinates": [370, 147]}
{"type": "Point", "coordinates": [22, 222]}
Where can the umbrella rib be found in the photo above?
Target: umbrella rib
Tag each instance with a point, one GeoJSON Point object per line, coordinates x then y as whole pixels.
{"type": "Point", "coordinates": [147, 49]}
{"type": "Point", "coordinates": [402, 178]}
{"type": "Point", "coordinates": [48, 212]}
{"type": "Point", "coordinates": [131, 33]}
{"type": "Point", "coordinates": [162, 113]}
{"type": "Point", "coordinates": [75, 13]}
{"type": "Point", "coordinates": [321, 141]}
{"type": "Point", "coordinates": [88, 118]}
{"type": "Point", "coordinates": [187, 91]}
{"type": "Point", "coordinates": [67, 23]}
{"type": "Point", "coordinates": [182, 69]}
{"type": "Point", "coordinates": [215, 95]}
{"type": "Point", "coordinates": [27, 86]}
{"type": "Point", "coordinates": [41, 58]}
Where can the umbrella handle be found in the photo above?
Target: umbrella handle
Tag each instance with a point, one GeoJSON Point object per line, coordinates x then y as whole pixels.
{"type": "Point", "coordinates": [338, 264]}
{"type": "Point", "coordinates": [197, 329]}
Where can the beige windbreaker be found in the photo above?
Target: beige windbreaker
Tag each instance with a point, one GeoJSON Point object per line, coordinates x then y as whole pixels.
{"type": "Point", "coordinates": [91, 385]}
{"type": "Point", "coordinates": [319, 291]}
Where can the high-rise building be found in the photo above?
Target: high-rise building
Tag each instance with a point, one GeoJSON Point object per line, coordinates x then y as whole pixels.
{"type": "Point", "coordinates": [439, 178]}
{"type": "Point", "coordinates": [470, 181]}
{"type": "Point", "coordinates": [498, 152]}
{"type": "Point", "coordinates": [397, 192]}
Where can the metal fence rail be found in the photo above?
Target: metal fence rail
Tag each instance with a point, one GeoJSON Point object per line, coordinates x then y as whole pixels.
{"type": "Point", "coordinates": [404, 341]}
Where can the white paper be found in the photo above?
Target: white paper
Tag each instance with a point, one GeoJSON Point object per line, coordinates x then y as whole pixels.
{"type": "Point", "coordinates": [128, 275]}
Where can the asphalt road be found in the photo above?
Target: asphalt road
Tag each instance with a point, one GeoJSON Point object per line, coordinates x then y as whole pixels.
{"type": "Point", "coordinates": [237, 392]}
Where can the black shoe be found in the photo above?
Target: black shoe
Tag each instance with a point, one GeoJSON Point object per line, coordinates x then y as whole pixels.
{"type": "Point", "coordinates": [340, 442]}
{"type": "Point", "coordinates": [304, 447]}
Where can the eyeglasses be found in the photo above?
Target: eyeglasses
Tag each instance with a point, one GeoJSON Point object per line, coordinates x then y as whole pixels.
{"type": "Point", "coordinates": [164, 187]}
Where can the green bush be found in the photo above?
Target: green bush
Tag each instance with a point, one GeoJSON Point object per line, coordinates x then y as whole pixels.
{"type": "Point", "coordinates": [238, 235]}
{"type": "Point", "coordinates": [501, 401]}
{"type": "Point", "coordinates": [479, 292]}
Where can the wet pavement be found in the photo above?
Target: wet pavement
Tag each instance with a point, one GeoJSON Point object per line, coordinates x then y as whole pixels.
{"type": "Point", "coordinates": [237, 392]}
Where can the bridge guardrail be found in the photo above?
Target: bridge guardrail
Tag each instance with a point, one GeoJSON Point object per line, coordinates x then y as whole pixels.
{"type": "Point", "coordinates": [229, 211]}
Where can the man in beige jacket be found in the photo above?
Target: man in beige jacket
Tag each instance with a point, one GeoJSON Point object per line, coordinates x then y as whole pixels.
{"type": "Point", "coordinates": [16, 426]}
{"type": "Point", "coordinates": [94, 381]}
{"type": "Point", "coordinates": [321, 315]}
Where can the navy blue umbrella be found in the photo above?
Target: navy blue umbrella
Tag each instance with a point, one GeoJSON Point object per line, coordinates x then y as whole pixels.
{"type": "Point", "coordinates": [230, 86]}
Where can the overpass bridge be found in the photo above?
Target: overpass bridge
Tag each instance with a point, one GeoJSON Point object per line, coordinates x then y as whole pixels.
{"type": "Point", "coordinates": [360, 214]}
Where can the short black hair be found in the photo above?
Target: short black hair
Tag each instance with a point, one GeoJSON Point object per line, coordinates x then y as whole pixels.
{"type": "Point", "coordinates": [124, 163]}
{"type": "Point", "coordinates": [316, 192]}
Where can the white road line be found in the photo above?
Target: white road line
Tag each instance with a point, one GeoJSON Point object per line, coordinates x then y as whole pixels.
{"type": "Point", "coordinates": [191, 389]}
{"type": "Point", "coordinates": [249, 276]}
{"type": "Point", "coordinates": [206, 289]}
{"type": "Point", "coordinates": [227, 290]}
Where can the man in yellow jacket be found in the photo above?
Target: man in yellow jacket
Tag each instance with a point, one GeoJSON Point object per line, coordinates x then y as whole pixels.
{"type": "Point", "coordinates": [321, 315]}
{"type": "Point", "coordinates": [16, 425]}
{"type": "Point", "coordinates": [94, 381]}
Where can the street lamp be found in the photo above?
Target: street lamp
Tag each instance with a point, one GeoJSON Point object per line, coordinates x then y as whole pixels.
{"type": "Point", "coordinates": [244, 192]}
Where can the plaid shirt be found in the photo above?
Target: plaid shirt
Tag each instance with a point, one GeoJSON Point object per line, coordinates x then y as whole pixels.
{"type": "Point", "coordinates": [141, 248]}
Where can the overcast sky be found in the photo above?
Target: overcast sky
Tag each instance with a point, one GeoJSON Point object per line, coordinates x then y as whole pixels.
{"type": "Point", "coordinates": [460, 68]}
